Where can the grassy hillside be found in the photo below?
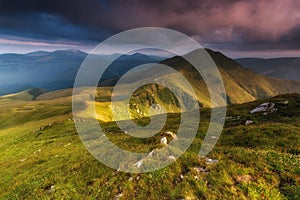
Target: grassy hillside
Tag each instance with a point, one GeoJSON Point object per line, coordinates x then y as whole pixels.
{"type": "Point", "coordinates": [25, 95]}
{"type": "Point", "coordinates": [42, 157]}
{"type": "Point", "coordinates": [241, 84]}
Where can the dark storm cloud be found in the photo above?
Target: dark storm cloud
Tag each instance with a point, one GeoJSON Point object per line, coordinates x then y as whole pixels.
{"type": "Point", "coordinates": [235, 24]}
{"type": "Point", "coordinates": [54, 19]}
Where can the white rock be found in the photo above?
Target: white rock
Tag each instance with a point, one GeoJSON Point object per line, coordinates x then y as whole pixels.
{"type": "Point", "coordinates": [264, 107]}
{"type": "Point", "coordinates": [117, 197]}
{"type": "Point", "coordinates": [151, 153]}
{"type": "Point", "coordinates": [211, 161]}
{"type": "Point", "coordinates": [174, 136]}
{"type": "Point", "coordinates": [200, 169]}
{"type": "Point", "coordinates": [171, 158]}
{"type": "Point", "coordinates": [138, 164]}
{"type": "Point", "coordinates": [164, 141]}
{"type": "Point", "coordinates": [248, 122]}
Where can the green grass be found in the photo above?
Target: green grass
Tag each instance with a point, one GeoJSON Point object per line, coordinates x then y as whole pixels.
{"type": "Point", "coordinates": [52, 163]}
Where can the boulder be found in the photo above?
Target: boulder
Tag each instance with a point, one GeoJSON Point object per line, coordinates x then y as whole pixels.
{"type": "Point", "coordinates": [139, 163]}
{"type": "Point", "coordinates": [248, 122]}
{"type": "Point", "coordinates": [163, 141]}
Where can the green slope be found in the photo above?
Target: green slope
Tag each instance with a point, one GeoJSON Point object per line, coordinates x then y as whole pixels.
{"type": "Point", "coordinates": [42, 157]}
{"type": "Point", "coordinates": [25, 95]}
{"type": "Point", "coordinates": [241, 84]}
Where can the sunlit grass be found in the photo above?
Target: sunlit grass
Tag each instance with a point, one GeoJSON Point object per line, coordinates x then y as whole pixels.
{"type": "Point", "coordinates": [259, 161]}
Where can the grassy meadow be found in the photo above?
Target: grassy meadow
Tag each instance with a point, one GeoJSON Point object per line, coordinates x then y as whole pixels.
{"type": "Point", "coordinates": [42, 156]}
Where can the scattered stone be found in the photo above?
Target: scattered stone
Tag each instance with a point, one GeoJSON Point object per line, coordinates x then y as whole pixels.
{"type": "Point", "coordinates": [139, 163]}
{"type": "Point", "coordinates": [138, 178]}
{"type": "Point", "coordinates": [22, 160]}
{"type": "Point", "coordinates": [130, 179]}
{"type": "Point", "coordinates": [264, 107]}
{"type": "Point", "coordinates": [174, 136]}
{"type": "Point", "coordinates": [164, 141]}
{"type": "Point", "coordinates": [52, 188]}
{"type": "Point", "coordinates": [125, 132]}
{"type": "Point", "coordinates": [213, 137]}
{"type": "Point", "coordinates": [210, 161]}
{"type": "Point", "coordinates": [200, 169]}
{"type": "Point", "coordinates": [117, 197]}
{"type": "Point", "coordinates": [151, 153]}
{"type": "Point", "coordinates": [181, 176]}
{"type": "Point", "coordinates": [172, 158]}
{"type": "Point", "coordinates": [285, 102]}
{"type": "Point", "coordinates": [248, 122]}
{"type": "Point", "coordinates": [196, 177]}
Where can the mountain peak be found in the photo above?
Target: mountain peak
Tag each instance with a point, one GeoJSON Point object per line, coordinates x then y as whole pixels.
{"type": "Point", "coordinates": [72, 52]}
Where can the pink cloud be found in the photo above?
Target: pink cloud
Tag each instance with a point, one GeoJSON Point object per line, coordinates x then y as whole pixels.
{"type": "Point", "coordinates": [217, 21]}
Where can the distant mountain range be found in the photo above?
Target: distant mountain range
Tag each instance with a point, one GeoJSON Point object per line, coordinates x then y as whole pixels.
{"type": "Point", "coordinates": [284, 68]}
{"type": "Point", "coordinates": [56, 70]}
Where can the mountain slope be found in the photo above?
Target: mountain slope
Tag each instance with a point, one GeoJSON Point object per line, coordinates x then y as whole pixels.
{"type": "Point", "coordinates": [56, 70]}
{"type": "Point", "coordinates": [46, 158]}
{"type": "Point", "coordinates": [284, 68]}
{"type": "Point", "coordinates": [241, 85]}
{"type": "Point", "coordinates": [25, 95]}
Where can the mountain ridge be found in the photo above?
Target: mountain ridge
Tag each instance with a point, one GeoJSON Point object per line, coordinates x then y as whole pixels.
{"type": "Point", "coordinates": [242, 85]}
{"type": "Point", "coordinates": [287, 68]}
{"type": "Point", "coordinates": [55, 70]}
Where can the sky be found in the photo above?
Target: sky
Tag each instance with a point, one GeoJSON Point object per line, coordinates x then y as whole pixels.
{"type": "Point", "coordinates": [238, 28]}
